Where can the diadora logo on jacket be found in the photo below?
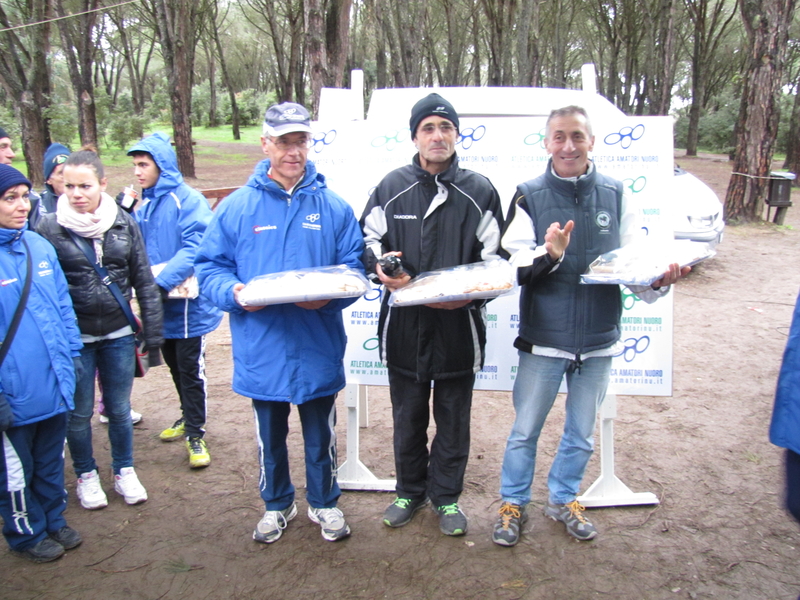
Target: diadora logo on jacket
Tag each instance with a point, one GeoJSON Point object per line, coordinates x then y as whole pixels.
{"type": "Point", "coordinates": [5, 282]}
{"type": "Point", "coordinates": [260, 228]}
{"type": "Point", "coordinates": [405, 217]}
{"type": "Point", "coordinates": [311, 222]}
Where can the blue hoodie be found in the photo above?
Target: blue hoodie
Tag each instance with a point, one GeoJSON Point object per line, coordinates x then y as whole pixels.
{"type": "Point", "coordinates": [173, 219]}
{"type": "Point", "coordinates": [281, 352]}
{"type": "Point", "coordinates": [38, 375]}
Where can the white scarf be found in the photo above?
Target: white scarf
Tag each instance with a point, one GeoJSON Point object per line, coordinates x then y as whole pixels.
{"type": "Point", "coordinates": [88, 225]}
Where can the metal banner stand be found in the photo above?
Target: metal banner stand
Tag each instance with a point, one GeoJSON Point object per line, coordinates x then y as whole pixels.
{"type": "Point", "coordinates": [353, 475]}
{"type": "Point", "coordinates": [608, 490]}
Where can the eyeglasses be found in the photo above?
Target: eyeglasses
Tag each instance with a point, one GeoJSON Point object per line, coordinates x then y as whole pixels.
{"type": "Point", "coordinates": [445, 128]}
{"type": "Point", "coordinates": [286, 145]}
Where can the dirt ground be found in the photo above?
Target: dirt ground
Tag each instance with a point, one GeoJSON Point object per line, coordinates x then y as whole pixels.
{"type": "Point", "coordinates": [719, 531]}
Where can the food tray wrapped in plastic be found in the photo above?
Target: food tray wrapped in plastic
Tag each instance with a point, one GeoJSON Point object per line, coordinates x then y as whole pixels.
{"type": "Point", "coordinates": [644, 262]}
{"type": "Point", "coordinates": [488, 279]}
{"type": "Point", "coordinates": [304, 285]}
{"type": "Point", "coordinates": [190, 288]}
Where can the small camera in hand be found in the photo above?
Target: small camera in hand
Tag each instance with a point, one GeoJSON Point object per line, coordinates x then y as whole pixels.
{"type": "Point", "coordinates": [391, 266]}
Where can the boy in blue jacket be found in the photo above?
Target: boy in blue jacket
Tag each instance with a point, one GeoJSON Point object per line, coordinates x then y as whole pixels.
{"type": "Point", "coordinates": [37, 382]}
{"type": "Point", "coordinates": [285, 218]}
{"type": "Point", "coordinates": [173, 218]}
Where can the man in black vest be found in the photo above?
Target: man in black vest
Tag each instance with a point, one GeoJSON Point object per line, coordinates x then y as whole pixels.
{"type": "Point", "coordinates": [565, 328]}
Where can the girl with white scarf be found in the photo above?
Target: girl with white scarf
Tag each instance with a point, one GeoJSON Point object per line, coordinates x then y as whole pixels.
{"type": "Point", "coordinates": [86, 211]}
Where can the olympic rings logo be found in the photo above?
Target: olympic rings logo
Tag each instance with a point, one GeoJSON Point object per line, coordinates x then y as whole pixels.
{"type": "Point", "coordinates": [629, 299]}
{"type": "Point", "coordinates": [625, 136]}
{"type": "Point", "coordinates": [634, 346]}
{"type": "Point", "coordinates": [532, 139]}
{"type": "Point", "coordinates": [322, 139]}
{"type": "Point", "coordinates": [635, 185]}
{"type": "Point", "coordinates": [374, 294]}
{"type": "Point", "coordinates": [391, 141]}
{"type": "Point", "coordinates": [312, 218]}
{"type": "Point", "coordinates": [471, 135]}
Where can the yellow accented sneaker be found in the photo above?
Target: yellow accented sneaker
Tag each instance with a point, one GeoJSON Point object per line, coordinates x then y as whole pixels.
{"type": "Point", "coordinates": [198, 452]}
{"type": "Point", "coordinates": [175, 432]}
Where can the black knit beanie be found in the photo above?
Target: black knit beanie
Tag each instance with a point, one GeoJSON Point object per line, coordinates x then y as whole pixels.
{"type": "Point", "coordinates": [10, 177]}
{"type": "Point", "coordinates": [432, 104]}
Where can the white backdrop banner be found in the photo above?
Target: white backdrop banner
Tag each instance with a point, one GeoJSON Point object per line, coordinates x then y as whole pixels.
{"type": "Point", "coordinates": [355, 156]}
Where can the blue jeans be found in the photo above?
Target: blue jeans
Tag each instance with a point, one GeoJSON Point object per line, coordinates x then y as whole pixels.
{"type": "Point", "coordinates": [114, 361]}
{"type": "Point", "coordinates": [535, 390]}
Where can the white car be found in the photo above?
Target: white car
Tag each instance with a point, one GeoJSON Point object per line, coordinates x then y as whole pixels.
{"type": "Point", "coordinates": [698, 214]}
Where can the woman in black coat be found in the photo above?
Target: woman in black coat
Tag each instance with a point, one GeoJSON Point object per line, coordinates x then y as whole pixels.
{"type": "Point", "coordinates": [89, 221]}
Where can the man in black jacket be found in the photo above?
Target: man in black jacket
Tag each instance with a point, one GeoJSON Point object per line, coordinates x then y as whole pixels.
{"type": "Point", "coordinates": [432, 214]}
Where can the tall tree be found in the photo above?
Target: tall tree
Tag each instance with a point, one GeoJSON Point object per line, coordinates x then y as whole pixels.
{"type": "Point", "coordinates": [178, 24]}
{"type": "Point", "coordinates": [79, 47]}
{"type": "Point", "coordinates": [767, 24]}
{"type": "Point", "coordinates": [215, 24]}
{"type": "Point", "coordinates": [711, 21]}
{"type": "Point", "coordinates": [284, 26]}
{"type": "Point", "coordinates": [25, 77]}
{"type": "Point", "coordinates": [135, 40]}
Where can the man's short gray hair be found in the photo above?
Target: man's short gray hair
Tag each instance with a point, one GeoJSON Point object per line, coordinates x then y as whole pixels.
{"type": "Point", "coordinates": [569, 111]}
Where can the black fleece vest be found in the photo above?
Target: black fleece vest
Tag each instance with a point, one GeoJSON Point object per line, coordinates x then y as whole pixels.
{"type": "Point", "coordinates": [558, 311]}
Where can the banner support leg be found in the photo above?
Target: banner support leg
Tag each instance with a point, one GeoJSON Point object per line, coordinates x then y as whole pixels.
{"type": "Point", "coordinates": [353, 475]}
{"type": "Point", "coordinates": [608, 490]}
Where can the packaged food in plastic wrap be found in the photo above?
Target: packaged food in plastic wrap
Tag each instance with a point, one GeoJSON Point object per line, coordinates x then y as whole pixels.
{"type": "Point", "coordinates": [304, 285]}
{"type": "Point", "coordinates": [643, 263]}
{"type": "Point", "coordinates": [189, 288]}
{"type": "Point", "coordinates": [487, 279]}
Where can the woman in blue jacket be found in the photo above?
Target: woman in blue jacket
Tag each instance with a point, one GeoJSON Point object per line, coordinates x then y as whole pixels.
{"type": "Point", "coordinates": [37, 381]}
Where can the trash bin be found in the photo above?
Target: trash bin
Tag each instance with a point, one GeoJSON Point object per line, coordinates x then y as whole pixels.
{"type": "Point", "coordinates": [780, 194]}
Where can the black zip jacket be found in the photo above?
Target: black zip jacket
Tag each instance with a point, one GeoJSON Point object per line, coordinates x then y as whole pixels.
{"type": "Point", "coordinates": [437, 221]}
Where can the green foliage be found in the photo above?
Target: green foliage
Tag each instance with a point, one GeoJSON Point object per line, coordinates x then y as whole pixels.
{"type": "Point", "coordinates": [8, 121]}
{"type": "Point", "coordinates": [124, 127]}
{"type": "Point", "coordinates": [252, 105]}
{"type": "Point", "coordinates": [63, 121]}
{"type": "Point", "coordinates": [715, 129]}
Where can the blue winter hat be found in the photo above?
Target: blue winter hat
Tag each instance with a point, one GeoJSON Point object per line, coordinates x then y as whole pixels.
{"type": "Point", "coordinates": [56, 155]}
{"type": "Point", "coordinates": [10, 177]}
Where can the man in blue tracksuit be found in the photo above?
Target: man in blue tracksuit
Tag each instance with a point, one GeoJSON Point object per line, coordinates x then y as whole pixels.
{"type": "Point", "coordinates": [173, 218]}
{"type": "Point", "coordinates": [285, 218]}
{"type": "Point", "coordinates": [37, 382]}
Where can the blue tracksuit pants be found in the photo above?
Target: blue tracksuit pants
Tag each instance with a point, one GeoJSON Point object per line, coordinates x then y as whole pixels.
{"type": "Point", "coordinates": [318, 418]}
{"type": "Point", "coordinates": [32, 498]}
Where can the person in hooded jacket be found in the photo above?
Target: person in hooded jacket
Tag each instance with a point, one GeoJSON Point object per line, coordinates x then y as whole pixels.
{"type": "Point", "coordinates": [88, 227]}
{"type": "Point", "coordinates": [37, 382]}
{"type": "Point", "coordinates": [286, 218]}
{"type": "Point", "coordinates": [173, 218]}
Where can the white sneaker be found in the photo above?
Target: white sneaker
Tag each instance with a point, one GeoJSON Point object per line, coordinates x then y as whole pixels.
{"type": "Point", "coordinates": [127, 485]}
{"type": "Point", "coordinates": [332, 522]}
{"type": "Point", "coordinates": [135, 417]}
{"type": "Point", "coordinates": [90, 492]}
{"type": "Point", "coordinates": [272, 524]}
